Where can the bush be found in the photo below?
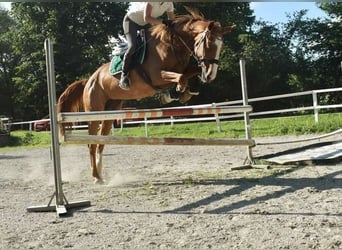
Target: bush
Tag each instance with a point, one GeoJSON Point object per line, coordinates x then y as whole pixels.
{"type": "Point", "coordinates": [4, 134]}
{"type": "Point", "coordinates": [3, 129]}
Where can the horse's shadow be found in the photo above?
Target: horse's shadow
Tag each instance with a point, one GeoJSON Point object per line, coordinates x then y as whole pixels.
{"type": "Point", "coordinates": [290, 185]}
{"type": "Point", "coordinates": [240, 185]}
{"type": "Point", "coordinates": [11, 157]}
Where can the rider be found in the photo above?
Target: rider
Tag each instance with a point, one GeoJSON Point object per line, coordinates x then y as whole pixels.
{"type": "Point", "coordinates": [142, 17]}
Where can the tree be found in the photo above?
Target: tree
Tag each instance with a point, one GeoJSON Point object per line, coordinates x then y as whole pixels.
{"type": "Point", "coordinates": [227, 13]}
{"type": "Point", "coordinates": [7, 62]}
{"type": "Point", "coordinates": [80, 32]}
{"type": "Point", "coordinates": [302, 54]}
{"type": "Point", "coordinates": [262, 45]}
{"type": "Point", "coordinates": [317, 50]}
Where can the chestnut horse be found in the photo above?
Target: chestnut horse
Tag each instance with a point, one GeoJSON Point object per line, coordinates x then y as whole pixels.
{"type": "Point", "coordinates": [169, 52]}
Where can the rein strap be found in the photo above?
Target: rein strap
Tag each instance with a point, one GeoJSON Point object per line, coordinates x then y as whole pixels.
{"type": "Point", "coordinates": [193, 53]}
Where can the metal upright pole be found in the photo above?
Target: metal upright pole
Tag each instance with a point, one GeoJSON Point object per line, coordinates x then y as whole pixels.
{"type": "Point", "coordinates": [248, 130]}
{"type": "Point", "coordinates": [61, 203]}
{"type": "Point", "coordinates": [50, 66]}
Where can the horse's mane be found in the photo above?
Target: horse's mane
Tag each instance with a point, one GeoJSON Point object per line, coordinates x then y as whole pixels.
{"type": "Point", "coordinates": [162, 33]}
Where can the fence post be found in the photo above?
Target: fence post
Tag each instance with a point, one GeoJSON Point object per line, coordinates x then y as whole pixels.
{"type": "Point", "coordinates": [113, 128]}
{"type": "Point", "coordinates": [171, 118]}
{"type": "Point", "coordinates": [217, 118]}
{"type": "Point", "coordinates": [146, 128]}
{"type": "Point", "coordinates": [30, 127]}
{"type": "Point", "coordinates": [121, 124]}
{"type": "Point", "coordinates": [315, 104]}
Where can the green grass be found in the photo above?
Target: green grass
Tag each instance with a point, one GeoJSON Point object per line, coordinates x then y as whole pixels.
{"type": "Point", "coordinates": [294, 125]}
{"type": "Point", "coordinates": [297, 125]}
{"type": "Point", "coordinates": [27, 139]}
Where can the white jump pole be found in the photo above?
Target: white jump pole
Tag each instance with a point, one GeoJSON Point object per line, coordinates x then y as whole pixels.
{"type": "Point", "coordinates": [248, 130]}
{"type": "Point", "coordinates": [61, 202]}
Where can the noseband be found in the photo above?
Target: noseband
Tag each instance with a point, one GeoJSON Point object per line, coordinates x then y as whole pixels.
{"type": "Point", "coordinates": [197, 45]}
{"type": "Point", "coordinates": [201, 62]}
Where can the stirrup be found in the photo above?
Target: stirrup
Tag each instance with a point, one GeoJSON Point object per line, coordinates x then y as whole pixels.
{"type": "Point", "coordinates": [124, 87]}
{"type": "Point", "coordinates": [124, 82]}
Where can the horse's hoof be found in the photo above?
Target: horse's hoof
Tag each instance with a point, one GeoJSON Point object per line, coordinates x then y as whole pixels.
{"type": "Point", "coordinates": [98, 181]}
{"type": "Point", "coordinates": [165, 99]}
{"type": "Point", "coordinates": [193, 92]}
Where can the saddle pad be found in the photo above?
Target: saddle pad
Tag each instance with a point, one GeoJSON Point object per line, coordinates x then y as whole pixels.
{"type": "Point", "coordinates": [117, 61]}
{"type": "Point", "coordinates": [115, 65]}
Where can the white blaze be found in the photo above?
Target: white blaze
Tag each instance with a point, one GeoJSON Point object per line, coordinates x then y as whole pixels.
{"type": "Point", "coordinates": [212, 72]}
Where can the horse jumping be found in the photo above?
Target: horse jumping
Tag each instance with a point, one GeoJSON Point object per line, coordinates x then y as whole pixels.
{"type": "Point", "coordinates": [169, 52]}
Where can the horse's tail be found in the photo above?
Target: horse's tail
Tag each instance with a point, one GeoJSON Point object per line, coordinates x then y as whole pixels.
{"type": "Point", "coordinates": [71, 100]}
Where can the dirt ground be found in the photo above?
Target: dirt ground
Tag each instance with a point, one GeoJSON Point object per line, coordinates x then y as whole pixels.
{"type": "Point", "coordinates": [171, 197]}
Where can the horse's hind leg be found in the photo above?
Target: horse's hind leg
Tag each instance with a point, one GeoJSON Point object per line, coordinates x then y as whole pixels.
{"type": "Point", "coordinates": [105, 130]}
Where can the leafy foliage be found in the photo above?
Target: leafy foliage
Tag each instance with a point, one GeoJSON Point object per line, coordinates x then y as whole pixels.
{"type": "Point", "coordinates": [317, 50]}
{"type": "Point", "coordinates": [7, 64]}
{"type": "Point", "coordinates": [3, 129]}
{"type": "Point", "coordinates": [80, 32]}
{"type": "Point", "coordinates": [302, 54]}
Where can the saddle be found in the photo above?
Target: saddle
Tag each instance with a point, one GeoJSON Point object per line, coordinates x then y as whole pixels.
{"type": "Point", "coordinates": [120, 48]}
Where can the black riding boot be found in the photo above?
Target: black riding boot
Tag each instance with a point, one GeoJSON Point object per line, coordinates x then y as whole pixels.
{"type": "Point", "coordinates": [194, 88]}
{"type": "Point", "coordinates": [174, 94]}
{"type": "Point", "coordinates": [169, 96]}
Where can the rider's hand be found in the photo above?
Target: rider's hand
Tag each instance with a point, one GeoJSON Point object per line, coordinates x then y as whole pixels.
{"type": "Point", "coordinates": [167, 22]}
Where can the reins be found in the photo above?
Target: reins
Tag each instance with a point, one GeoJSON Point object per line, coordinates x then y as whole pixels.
{"type": "Point", "coordinates": [201, 62]}
{"type": "Point", "coordinates": [197, 44]}
{"type": "Point", "coordinates": [192, 53]}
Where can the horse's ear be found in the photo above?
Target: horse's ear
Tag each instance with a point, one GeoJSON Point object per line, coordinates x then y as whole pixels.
{"type": "Point", "coordinates": [211, 25]}
{"type": "Point", "coordinates": [194, 13]}
{"type": "Point", "coordinates": [227, 29]}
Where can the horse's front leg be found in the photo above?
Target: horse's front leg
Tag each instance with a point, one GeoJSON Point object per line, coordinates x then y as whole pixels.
{"type": "Point", "coordinates": [92, 130]}
{"type": "Point", "coordinates": [180, 78]}
{"type": "Point", "coordinates": [93, 163]}
{"type": "Point", "coordinates": [99, 165]}
{"type": "Point", "coordinates": [173, 77]}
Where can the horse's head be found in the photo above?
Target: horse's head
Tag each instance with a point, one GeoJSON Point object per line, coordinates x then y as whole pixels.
{"type": "Point", "coordinates": [200, 38]}
{"type": "Point", "coordinates": [207, 47]}
{"type": "Point", "coordinates": [208, 43]}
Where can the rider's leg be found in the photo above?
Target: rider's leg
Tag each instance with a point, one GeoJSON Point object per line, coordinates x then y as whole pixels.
{"type": "Point", "coordinates": [130, 29]}
{"type": "Point", "coordinates": [174, 94]}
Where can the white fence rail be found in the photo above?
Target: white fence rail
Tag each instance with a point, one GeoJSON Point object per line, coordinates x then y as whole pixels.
{"type": "Point", "coordinates": [315, 107]}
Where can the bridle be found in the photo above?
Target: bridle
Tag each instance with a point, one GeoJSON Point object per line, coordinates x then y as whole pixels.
{"type": "Point", "coordinates": [200, 61]}
{"type": "Point", "coordinates": [197, 45]}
